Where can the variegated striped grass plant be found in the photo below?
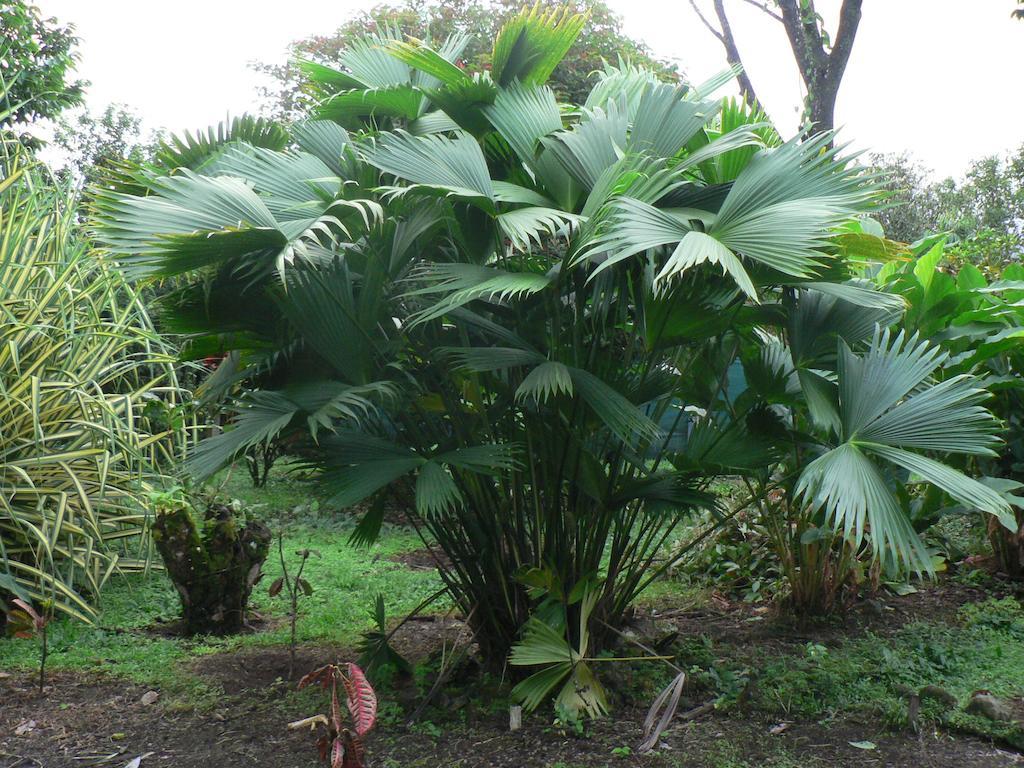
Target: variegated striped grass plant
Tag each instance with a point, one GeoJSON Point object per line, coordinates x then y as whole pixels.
{"type": "Point", "coordinates": [86, 387]}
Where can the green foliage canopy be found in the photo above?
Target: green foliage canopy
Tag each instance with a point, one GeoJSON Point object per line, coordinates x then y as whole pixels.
{"type": "Point", "coordinates": [37, 59]}
{"type": "Point", "coordinates": [601, 40]}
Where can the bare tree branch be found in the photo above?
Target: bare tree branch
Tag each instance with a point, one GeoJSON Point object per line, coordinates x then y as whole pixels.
{"type": "Point", "coordinates": [732, 52]}
{"type": "Point", "coordinates": [849, 21]}
{"type": "Point", "coordinates": [821, 66]}
{"type": "Point", "coordinates": [821, 69]}
{"type": "Point", "coordinates": [764, 7]}
{"type": "Point", "coordinates": [732, 55]}
{"type": "Point", "coordinates": [802, 40]}
{"type": "Point", "coordinates": [703, 18]}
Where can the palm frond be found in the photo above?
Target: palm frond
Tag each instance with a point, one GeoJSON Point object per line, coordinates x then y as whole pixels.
{"type": "Point", "coordinates": [848, 486]}
{"type": "Point", "coordinates": [549, 379]}
{"type": "Point", "coordinates": [591, 146]}
{"type": "Point", "coordinates": [193, 151]}
{"type": "Point", "coordinates": [666, 121]}
{"type": "Point", "coordinates": [436, 491]}
{"type": "Point", "coordinates": [453, 166]}
{"type": "Point", "coordinates": [350, 107]}
{"type": "Point", "coordinates": [525, 227]}
{"type": "Point", "coordinates": [523, 116]}
{"type": "Point", "coordinates": [782, 207]}
{"type": "Point", "coordinates": [327, 141]}
{"type": "Point", "coordinates": [529, 46]}
{"type": "Point", "coordinates": [437, 66]}
{"type": "Point", "coordinates": [461, 284]}
{"type": "Point", "coordinates": [625, 420]}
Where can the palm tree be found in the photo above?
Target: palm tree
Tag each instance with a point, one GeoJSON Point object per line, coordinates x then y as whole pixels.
{"type": "Point", "coordinates": [491, 307]}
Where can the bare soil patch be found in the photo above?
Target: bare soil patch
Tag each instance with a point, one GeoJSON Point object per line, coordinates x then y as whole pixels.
{"type": "Point", "coordinates": [92, 720]}
{"type": "Point", "coordinates": [82, 721]}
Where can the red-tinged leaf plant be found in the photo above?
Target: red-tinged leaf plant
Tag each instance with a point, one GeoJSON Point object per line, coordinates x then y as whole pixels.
{"type": "Point", "coordinates": [25, 622]}
{"type": "Point", "coordinates": [341, 746]}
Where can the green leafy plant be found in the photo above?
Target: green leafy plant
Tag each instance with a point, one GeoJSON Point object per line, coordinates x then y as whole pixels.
{"type": "Point", "coordinates": [856, 416]}
{"type": "Point", "coordinates": [376, 654]}
{"type": "Point", "coordinates": [295, 587]}
{"type": "Point", "coordinates": [566, 668]}
{"type": "Point", "coordinates": [517, 319]}
{"type": "Point", "coordinates": [739, 559]}
{"type": "Point", "coordinates": [81, 444]}
{"type": "Point", "coordinates": [550, 640]}
{"type": "Point", "coordinates": [980, 326]}
{"type": "Point", "coordinates": [341, 747]}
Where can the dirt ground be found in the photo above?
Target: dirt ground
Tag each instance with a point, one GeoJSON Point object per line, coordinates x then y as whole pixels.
{"type": "Point", "coordinates": [89, 720]}
{"type": "Point", "coordinates": [83, 722]}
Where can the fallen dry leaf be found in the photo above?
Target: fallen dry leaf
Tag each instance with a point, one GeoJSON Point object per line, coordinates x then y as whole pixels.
{"type": "Point", "coordinates": [25, 726]}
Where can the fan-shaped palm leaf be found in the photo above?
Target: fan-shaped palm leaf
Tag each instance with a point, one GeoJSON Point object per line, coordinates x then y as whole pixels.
{"type": "Point", "coordinates": [888, 403]}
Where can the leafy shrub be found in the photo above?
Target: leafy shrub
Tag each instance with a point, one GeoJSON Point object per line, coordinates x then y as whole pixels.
{"type": "Point", "coordinates": [88, 399]}
{"type": "Point", "coordinates": [980, 325]}
{"type": "Point", "coordinates": [518, 319]}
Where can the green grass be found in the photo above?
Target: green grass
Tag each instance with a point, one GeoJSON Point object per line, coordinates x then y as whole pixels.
{"type": "Point", "coordinates": [984, 649]}
{"type": "Point", "coordinates": [345, 580]}
{"type": "Point", "coordinates": [674, 593]}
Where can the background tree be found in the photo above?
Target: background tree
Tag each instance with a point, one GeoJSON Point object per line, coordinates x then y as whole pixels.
{"type": "Point", "coordinates": [98, 144]}
{"type": "Point", "coordinates": [820, 59]}
{"type": "Point", "coordinates": [602, 40]}
{"type": "Point", "coordinates": [37, 60]}
{"type": "Point", "coordinates": [983, 212]}
{"type": "Point", "coordinates": [915, 204]}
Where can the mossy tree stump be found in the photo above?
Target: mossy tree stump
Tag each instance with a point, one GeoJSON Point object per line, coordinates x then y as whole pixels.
{"type": "Point", "coordinates": [213, 567]}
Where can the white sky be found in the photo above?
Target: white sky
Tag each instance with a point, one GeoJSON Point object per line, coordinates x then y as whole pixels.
{"type": "Point", "coordinates": [939, 78]}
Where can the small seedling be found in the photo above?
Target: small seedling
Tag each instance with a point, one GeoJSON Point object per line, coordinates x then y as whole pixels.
{"type": "Point", "coordinates": [569, 721]}
{"type": "Point", "coordinates": [376, 653]}
{"type": "Point", "coordinates": [295, 587]}
{"type": "Point", "coordinates": [24, 622]}
{"type": "Point", "coordinates": [337, 744]}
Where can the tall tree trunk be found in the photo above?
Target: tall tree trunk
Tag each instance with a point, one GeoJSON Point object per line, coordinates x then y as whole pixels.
{"type": "Point", "coordinates": [821, 66]}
